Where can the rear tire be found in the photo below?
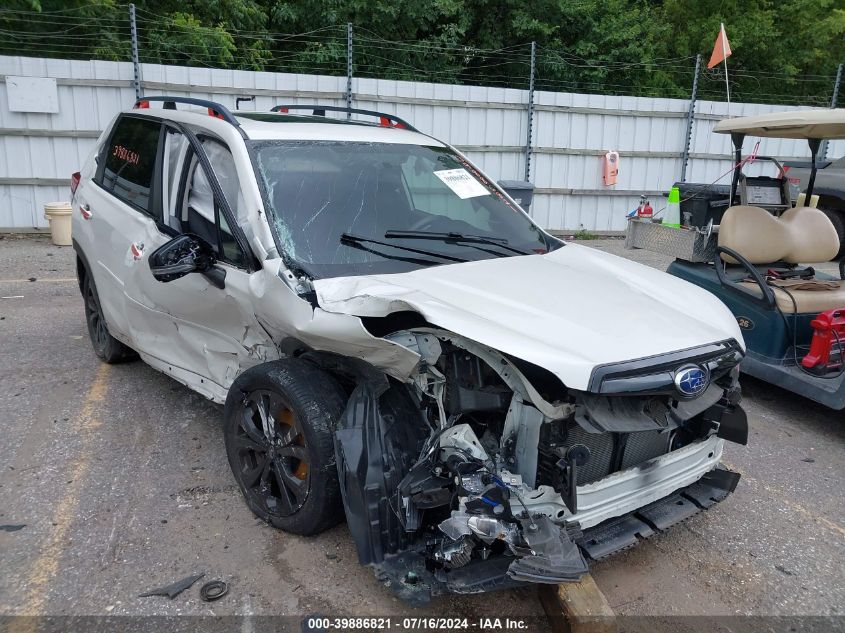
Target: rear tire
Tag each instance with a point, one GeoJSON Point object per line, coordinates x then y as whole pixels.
{"type": "Point", "coordinates": [279, 424]}
{"type": "Point", "coordinates": [838, 221]}
{"type": "Point", "coordinates": [106, 347]}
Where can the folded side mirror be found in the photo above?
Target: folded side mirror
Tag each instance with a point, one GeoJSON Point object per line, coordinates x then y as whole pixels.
{"type": "Point", "coordinates": [180, 256]}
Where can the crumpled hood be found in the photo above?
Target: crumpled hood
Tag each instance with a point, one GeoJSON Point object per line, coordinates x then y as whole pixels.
{"type": "Point", "coordinates": [567, 311]}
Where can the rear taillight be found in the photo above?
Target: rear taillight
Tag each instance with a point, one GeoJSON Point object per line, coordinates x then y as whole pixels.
{"type": "Point", "coordinates": [74, 181]}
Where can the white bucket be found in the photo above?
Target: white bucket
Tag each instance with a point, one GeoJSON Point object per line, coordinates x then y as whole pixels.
{"type": "Point", "coordinates": [58, 214]}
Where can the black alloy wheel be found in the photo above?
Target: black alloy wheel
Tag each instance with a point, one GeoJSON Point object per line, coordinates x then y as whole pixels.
{"type": "Point", "coordinates": [279, 425]}
{"type": "Point", "coordinates": [271, 454]}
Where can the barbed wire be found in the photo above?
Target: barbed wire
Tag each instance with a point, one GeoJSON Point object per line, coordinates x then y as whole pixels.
{"type": "Point", "coordinates": [101, 31]}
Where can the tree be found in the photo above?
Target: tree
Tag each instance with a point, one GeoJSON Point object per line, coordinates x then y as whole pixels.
{"type": "Point", "coordinates": [784, 51]}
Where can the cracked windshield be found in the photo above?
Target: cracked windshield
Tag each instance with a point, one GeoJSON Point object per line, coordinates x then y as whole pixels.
{"type": "Point", "coordinates": [342, 208]}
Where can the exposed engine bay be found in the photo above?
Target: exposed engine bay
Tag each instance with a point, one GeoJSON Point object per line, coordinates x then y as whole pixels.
{"type": "Point", "coordinates": [466, 478]}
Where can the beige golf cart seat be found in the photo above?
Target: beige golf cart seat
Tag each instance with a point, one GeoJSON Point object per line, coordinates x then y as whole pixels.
{"type": "Point", "coordinates": [801, 235]}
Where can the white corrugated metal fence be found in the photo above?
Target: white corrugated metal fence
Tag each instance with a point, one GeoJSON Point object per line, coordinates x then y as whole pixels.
{"type": "Point", "coordinates": [39, 151]}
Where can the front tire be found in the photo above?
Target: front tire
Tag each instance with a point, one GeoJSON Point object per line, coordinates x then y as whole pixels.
{"type": "Point", "coordinates": [279, 429]}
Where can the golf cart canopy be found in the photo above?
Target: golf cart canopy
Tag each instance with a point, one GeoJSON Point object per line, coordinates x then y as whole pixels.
{"type": "Point", "coordinates": [807, 124]}
{"type": "Point", "coordinates": [813, 125]}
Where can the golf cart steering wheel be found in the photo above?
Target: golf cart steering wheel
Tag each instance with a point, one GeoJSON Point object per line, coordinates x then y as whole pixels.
{"type": "Point", "coordinates": [768, 295]}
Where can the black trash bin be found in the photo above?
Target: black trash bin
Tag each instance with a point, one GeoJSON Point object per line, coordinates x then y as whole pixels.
{"type": "Point", "coordinates": [522, 192]}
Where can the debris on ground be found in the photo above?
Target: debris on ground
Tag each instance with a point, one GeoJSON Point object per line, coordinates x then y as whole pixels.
{"type": "Point", "coordinates": [12, 528]}
{"type": "Point", "coordinates": [213, 590]}
{"type": "Point", "coordinates": [173, 590]}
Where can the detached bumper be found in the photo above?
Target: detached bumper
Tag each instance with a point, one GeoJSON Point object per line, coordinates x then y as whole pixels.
{"type": "Point", "coordinates": [615, 535]}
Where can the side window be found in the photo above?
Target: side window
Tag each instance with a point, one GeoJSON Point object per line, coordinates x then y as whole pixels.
{"type": "Point", "coordinates": [202, 215]}
{"type": "Point", "coordinates": [130, 162]}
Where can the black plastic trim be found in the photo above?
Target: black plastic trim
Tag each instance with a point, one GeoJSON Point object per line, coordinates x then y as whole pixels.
{"type": "Point", "coordinates": [621, 533]}
{"type": "Point", "coordinates": [733, 425]}
{"type": "Point", "coordinates": [661, 367]}
{"type": "Point", "coordinates": [81, 254]}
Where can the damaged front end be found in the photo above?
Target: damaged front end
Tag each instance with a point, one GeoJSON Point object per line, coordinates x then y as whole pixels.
{"type": "Point", "coordinates": [482, 471]}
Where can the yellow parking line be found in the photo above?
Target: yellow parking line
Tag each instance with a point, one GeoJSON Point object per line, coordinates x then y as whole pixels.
{"type": "Point", "coordinates": [47, 564]}
{"type": "Point", "coordinates": [797, 507]}
{"type": "Point", "coordinates": [36, 280]}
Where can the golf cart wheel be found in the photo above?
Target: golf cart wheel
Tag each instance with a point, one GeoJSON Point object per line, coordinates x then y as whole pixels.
{"type": "Point", "coordinates": [279, 425]}
{"type": "Point", "coordinates": [106, 347]}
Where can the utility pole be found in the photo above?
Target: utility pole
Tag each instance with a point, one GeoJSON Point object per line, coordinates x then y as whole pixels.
{"type": "Point", "coordinates": [136, 65]}
{"type": "Point", "coordinates": [690, 119]}
{"type": "Point", "coordinates": [530, 111]}
{"type": "Point", "coordinates": [348, 68]}
{"type": "Point", "coordinates": [834, 98]}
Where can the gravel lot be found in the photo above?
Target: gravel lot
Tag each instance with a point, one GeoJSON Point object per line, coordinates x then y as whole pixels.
{"type": "Point", "coordinates": [120, 477]}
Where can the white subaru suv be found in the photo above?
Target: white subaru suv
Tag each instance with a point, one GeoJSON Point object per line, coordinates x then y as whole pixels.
{"type": "Point", "coordinates": [398, 344]}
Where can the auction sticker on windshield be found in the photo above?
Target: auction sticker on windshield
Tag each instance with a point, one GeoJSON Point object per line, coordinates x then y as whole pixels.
{"type": "Point", "coordinates": [462, 183]}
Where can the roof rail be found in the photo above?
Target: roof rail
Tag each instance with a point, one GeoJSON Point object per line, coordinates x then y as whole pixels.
{"type": "Point", "coordinates": [214, 109]}
{"type": "Point", "coordinates": [387, 120]}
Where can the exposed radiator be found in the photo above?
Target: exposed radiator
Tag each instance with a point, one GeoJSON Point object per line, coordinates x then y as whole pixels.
{"type": "Point", "coordinates": [609, 452]}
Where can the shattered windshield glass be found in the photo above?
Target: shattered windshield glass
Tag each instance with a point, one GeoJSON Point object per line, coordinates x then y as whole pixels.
{"type": "Point", "coordinates": [348, 208]}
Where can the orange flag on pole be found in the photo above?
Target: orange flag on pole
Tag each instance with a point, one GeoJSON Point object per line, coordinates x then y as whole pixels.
{"type": "Point", "coordinates": [721, 50]}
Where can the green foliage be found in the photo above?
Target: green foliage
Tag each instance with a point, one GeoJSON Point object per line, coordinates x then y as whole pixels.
{"type": "Point", "coordinates": [584, 234]}
{"type": "Point", "coordinates": [784, 51]}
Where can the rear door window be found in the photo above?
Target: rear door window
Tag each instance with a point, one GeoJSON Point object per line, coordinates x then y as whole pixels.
{"type": "Point", "coordinates": [130, 163]}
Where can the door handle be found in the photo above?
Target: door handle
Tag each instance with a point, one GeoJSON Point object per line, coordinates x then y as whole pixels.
{"type": "Point", "coordinates": [85, 211]}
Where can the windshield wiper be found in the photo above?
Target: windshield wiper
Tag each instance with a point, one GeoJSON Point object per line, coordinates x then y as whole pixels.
{"type": "Point", "coordinates": [453, 237]}
{"type": "Point", "coordinates": [357, 240]}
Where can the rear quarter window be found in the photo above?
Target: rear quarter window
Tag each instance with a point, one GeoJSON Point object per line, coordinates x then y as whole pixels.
{"type": "Point", "coordinates": [130, 162]}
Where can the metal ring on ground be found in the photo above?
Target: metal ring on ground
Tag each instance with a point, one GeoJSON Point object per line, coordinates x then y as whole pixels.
{"type": "Point", "coordinates": [213, 590]}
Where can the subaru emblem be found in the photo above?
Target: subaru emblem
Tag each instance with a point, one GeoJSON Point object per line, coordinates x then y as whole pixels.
{"type": "Point", "coordinates": [691, 380]}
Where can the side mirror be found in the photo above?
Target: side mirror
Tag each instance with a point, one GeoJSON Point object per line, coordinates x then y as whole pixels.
{"type": "Point", "coordinates": [180, 256]}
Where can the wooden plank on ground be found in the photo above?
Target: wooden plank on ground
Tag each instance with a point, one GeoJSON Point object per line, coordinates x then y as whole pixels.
{"type": "Point", "coordinates": [577, 607]}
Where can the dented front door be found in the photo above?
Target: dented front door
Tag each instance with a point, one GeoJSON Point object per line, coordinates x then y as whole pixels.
{"type": "Point", "coordinates": [194, 326]}
{"type": "Point", "coordinates": [198, 331]}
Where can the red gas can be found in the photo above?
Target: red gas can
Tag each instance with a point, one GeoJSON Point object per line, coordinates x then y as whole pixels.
{"type": "Point", "coordinates": [828, 330]}
{"type": "Point", "coordinates": [645, 211]}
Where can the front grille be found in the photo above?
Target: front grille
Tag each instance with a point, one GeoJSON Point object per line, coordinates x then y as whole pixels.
{"type": "Point", "coordinates": [609, 452]}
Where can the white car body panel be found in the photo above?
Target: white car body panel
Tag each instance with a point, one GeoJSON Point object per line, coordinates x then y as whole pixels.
{"type": "Point", "coordinates": [567, 311]}
{"type": "Point", "coordinates": [208, 351]}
